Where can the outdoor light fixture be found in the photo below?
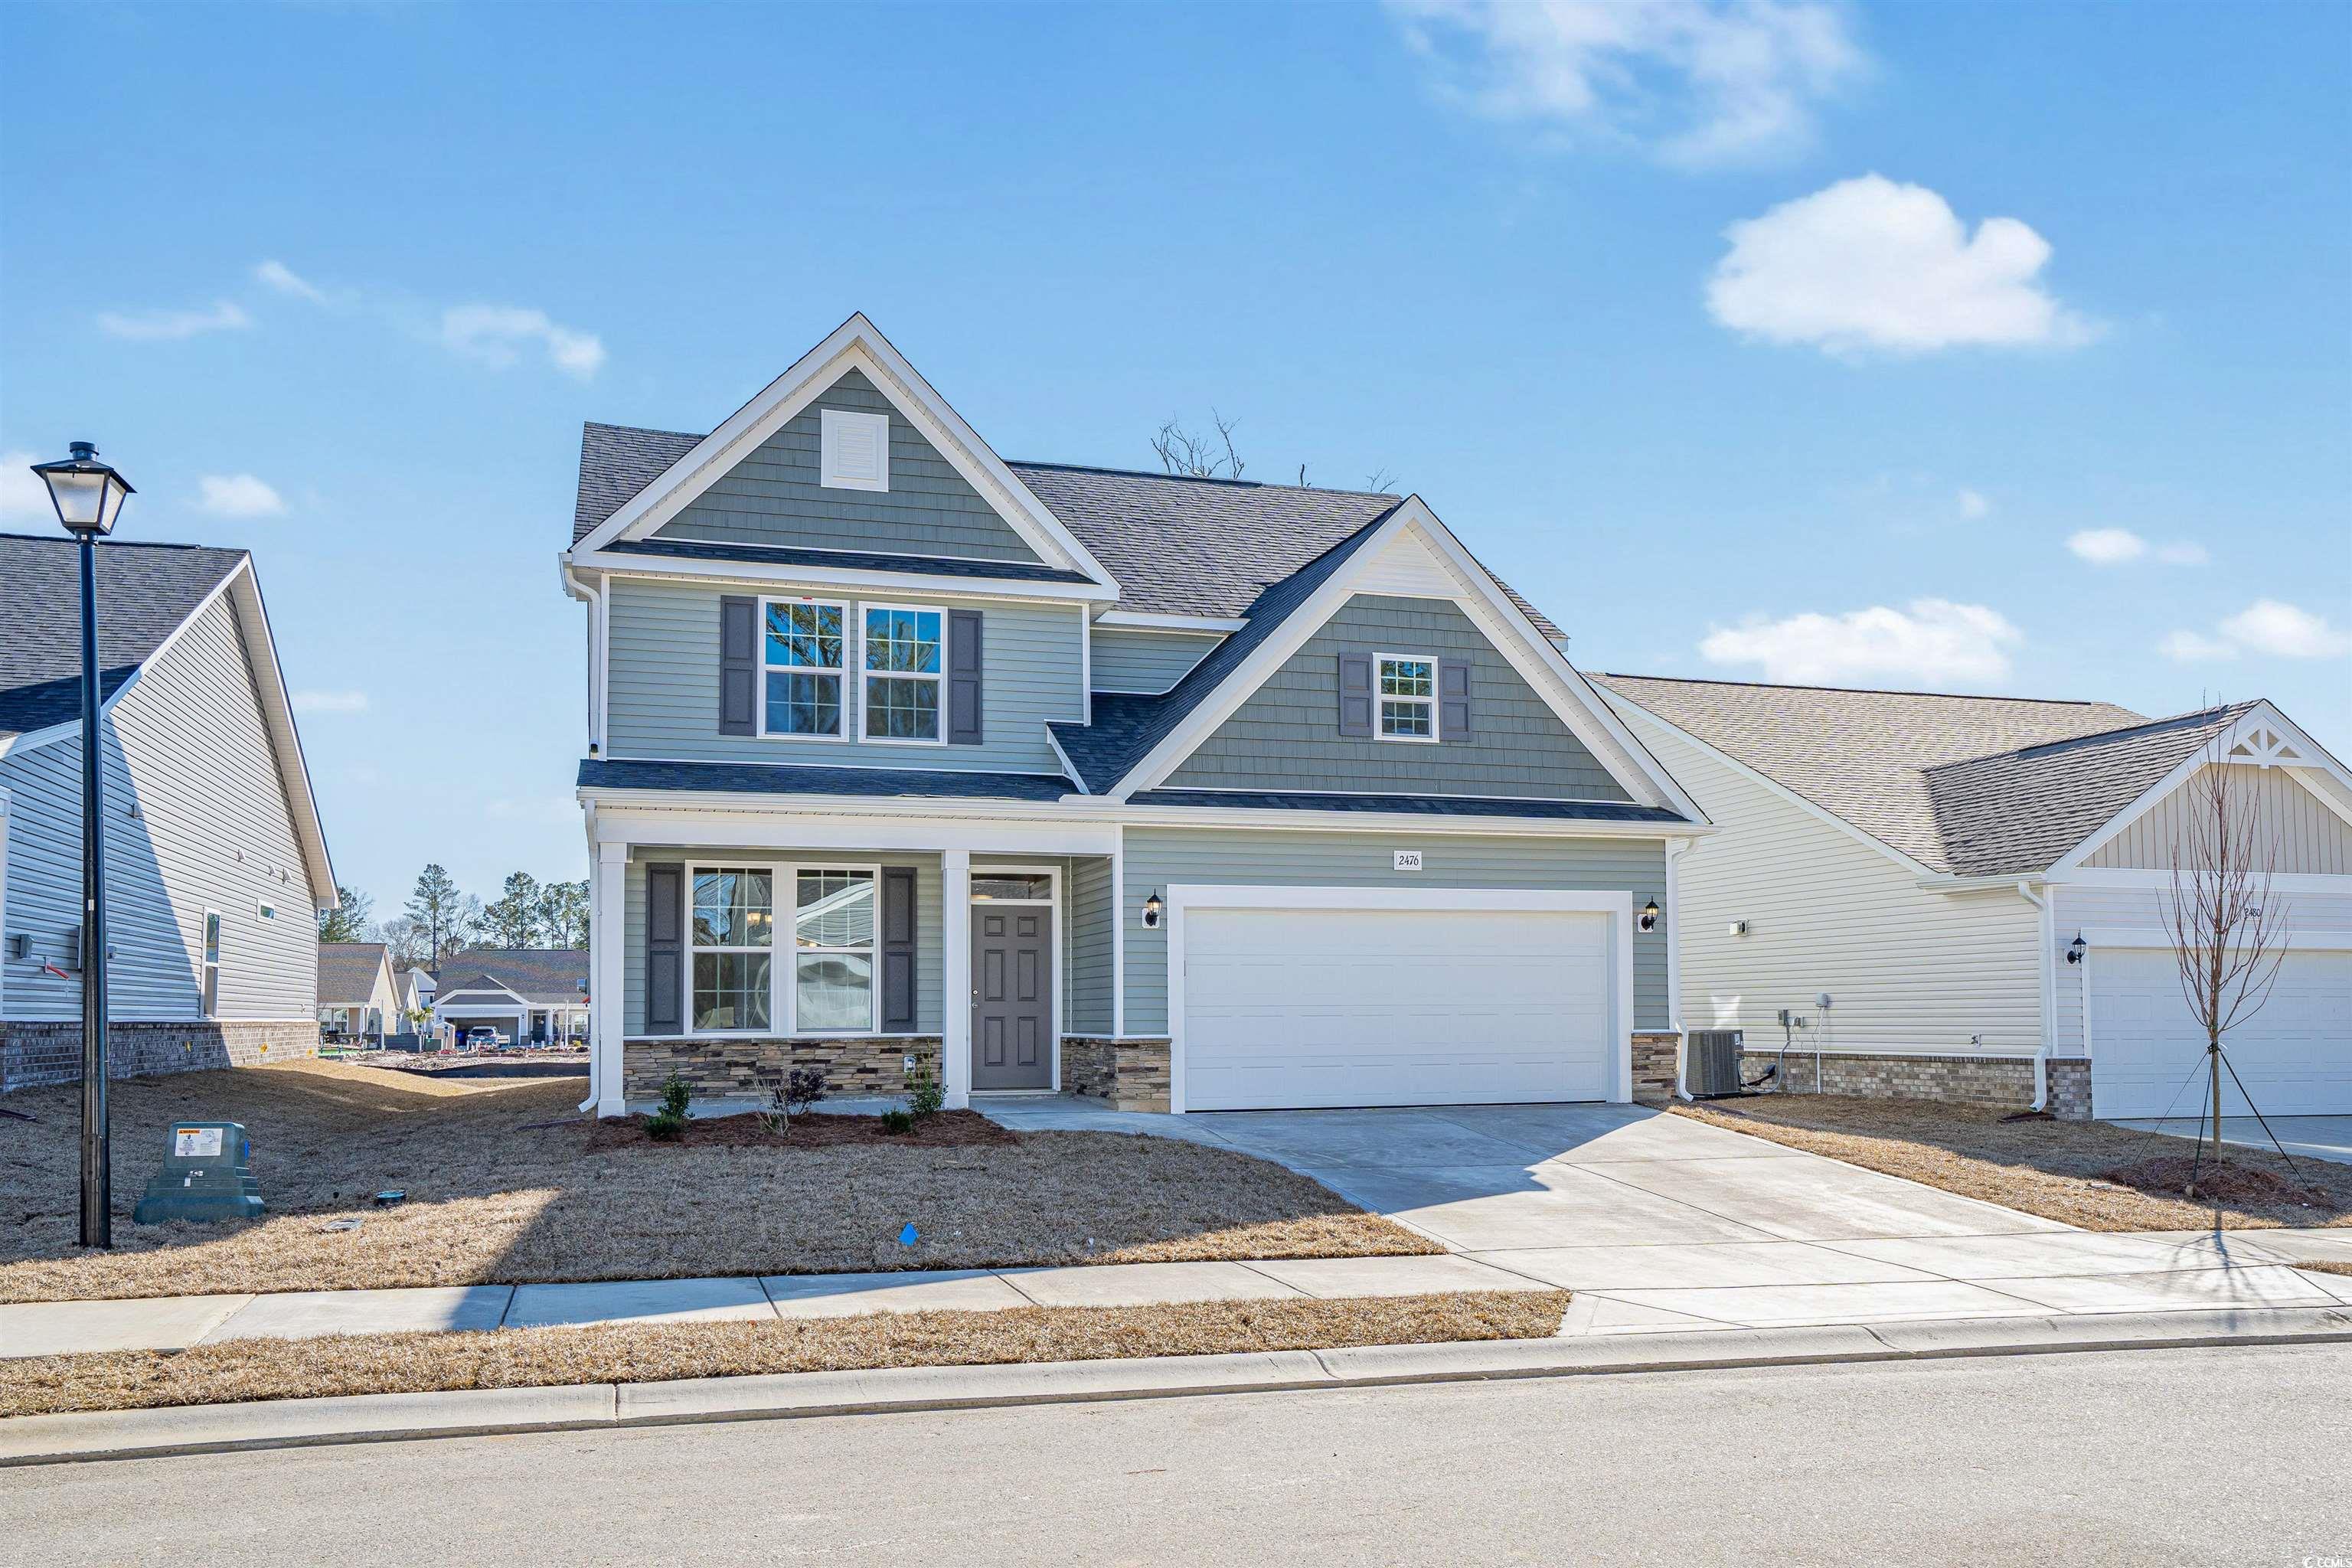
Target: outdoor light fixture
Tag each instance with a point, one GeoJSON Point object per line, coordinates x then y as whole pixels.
{"type": "Point", "coordinates": [2076, 949]}
{"type": "Point", "coordinates": [1151, 908]}
{"type": "Point", "coordinates": [89, 496]}
{"type": "Point", "coordinates": [1649, 920]}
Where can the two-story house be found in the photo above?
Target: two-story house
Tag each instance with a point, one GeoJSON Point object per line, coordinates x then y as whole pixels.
{"type": "Point", "coordinates": [1191, 793]}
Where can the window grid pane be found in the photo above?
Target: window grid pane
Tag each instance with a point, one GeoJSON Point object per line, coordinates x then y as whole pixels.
{"type": "Point", "coordinates": [835, 910]}
{"type": "Point", "coordinates": [731, 990]}
{"type": "Point", "coordinates": [734, 907]}
{"type": "Point", "coordinates": [833, 991]}
{"type": "Point", "coordinates": [903, 640]}
{"type": "Point", "coordinates": [902, 708]}
{"type": "Point", "coordinates": [1407, 678]}
{"type": "Point", "coordinates": [806, 637]}
{"type": "Point", "coordinates": [803, 704]}
{"type": "Point", "coordinates": [1404, 718]}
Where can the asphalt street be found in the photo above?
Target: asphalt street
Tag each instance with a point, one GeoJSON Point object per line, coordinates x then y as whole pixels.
{"type": "Point", "coordinates": [2222, 1455]}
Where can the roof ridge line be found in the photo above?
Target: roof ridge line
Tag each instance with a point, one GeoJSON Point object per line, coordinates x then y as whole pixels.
{"type": "Point", "coordinates": [1860, 690]}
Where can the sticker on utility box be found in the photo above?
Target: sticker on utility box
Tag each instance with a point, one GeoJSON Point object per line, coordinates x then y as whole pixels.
{"type": "Point", "coordinates": [195, 1142]}
{"type": "Point", "coordinates": [1408, 859]}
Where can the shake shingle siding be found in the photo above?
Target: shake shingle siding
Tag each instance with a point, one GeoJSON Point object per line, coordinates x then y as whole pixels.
{"type": "Point", "coordinates": [1286, 735]}
{"type": "Point", "coordinates": [664, 687]}
{"type": "Point", "coordinates": [1156, 858]}
{"type": "Point", "coordinates": [772, 496]}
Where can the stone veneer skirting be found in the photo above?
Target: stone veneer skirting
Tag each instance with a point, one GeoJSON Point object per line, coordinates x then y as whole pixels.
{"type": "Point", "coordinates": [1657, 1060]}
{"type": "Point", "coordinates": [34, 1052]}
{"type": "Point", "coordinates": [750, 1068]}
{"type": "Point", "coordinates": [2005, 1081]}
{"type": "Point", "coordinates": [1128, 1070]}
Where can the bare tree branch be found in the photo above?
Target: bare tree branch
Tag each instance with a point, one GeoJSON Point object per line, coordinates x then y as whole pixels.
{"type": "Point", "coordinates": [1197, 456]}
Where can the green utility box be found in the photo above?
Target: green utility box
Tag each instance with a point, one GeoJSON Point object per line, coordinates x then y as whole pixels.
{"type": "Point", "coordinates": [207, 1176]}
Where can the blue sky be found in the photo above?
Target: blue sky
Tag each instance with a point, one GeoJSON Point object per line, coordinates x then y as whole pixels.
{"type": "Point", "coordinates": [2001, 348]}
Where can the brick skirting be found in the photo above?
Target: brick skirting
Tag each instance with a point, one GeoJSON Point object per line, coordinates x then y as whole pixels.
{"type": "Point", "coordinates": [1656, 1063]}
{"type": "Point", "coordinates": [746, 1070]}
{"type": "Point", "coordinates": [1130, 1071]}
{"type": "Point", "coordinates": [2004, 1082]}
{"type": "Point", "coordinates": [34, 1052]}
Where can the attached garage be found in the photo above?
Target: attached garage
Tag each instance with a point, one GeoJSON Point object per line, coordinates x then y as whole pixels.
{"type": "Point", "coordinates": [1284, 997]}
{"type": "Point", "coordinates": [2147, 1051]}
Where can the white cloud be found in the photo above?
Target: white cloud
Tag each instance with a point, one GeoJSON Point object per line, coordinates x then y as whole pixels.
{"type": "Point", "coordinates": [166, 326]}
{"type": "Point", "coordinates": [1695, 82]}
{"type": "Point", "coordinates": [23, 496]}
{"type": "Point", "coordinates": [2107, 546]}
{"type": "Point", "coordinates": [330, 701]}
{"type": "Point", "coordinates": [238, 495]}
{"type": "Point", "coordinates": [1867, 264]}
{"type": "Point", "coordinates": [2182, 553]}
{"type": "Point", "coordinates": [2284, 631]}
{"type": "Point", "coordinates": [282, 278]}
{"type": "Point", "coordinates": [1973, 504]}
{"type": "Point", "coordinates": [493, 334]}
{"type": "Point", "coordinates": [1930, 640]}
{"type": "Point", "coordinates": [2195, 647]}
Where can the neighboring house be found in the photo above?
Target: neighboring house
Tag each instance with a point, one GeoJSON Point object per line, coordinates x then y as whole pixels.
{"type": "Point", "coordinates": [1188, 793]}
{"type": "Point", "coordinates": [359, 999]}
{"type": "Point", "coordinates": [1930, 862]}
{"type": "Point", "coordinates": [528, 995]}
{"type": "Point", "coordinates": [216, 863]}
{"type": "Point", "coordinates": [412, 987]}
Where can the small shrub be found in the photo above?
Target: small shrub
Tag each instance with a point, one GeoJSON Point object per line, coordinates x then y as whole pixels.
{"type": "Point", "coordinates": [896, 1120]}
{"type": "Point", "coordinates": [804, 1087]}
{"type": "Point", "coordinates": [924, 1094]}
{"type": "Point", "coordinates": [669, 1124]}
{"type": "Point", "coordinates": [778, 1118]}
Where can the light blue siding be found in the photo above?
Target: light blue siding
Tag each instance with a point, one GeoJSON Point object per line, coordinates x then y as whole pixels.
{"type": "Point", "coordinates": [185, 746]}
{"type": "Point", "coordinates": [1286, 735]}
{"type": "Point", "coordinates": [1087, 897]}
{"type": "Point", "coordinates": [1157, 857]}
{"type": "Point", "coordinates": [773, 497]}
{"type": "Point", "coordinates": [665, 686]}
{"type": "Point", "coordinates": [1147, 662]}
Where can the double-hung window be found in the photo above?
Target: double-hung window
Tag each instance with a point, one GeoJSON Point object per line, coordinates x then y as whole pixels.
{"type": "Point", "coordinates": [833, 951]}
{"type": "Point", "coordinates": [211, 1001]}
{"type": "Point", "coordinates": [1407, 695]}
{"type": "Point", "coordinates": [904, 654]}
{"type": "Point", "coordinates": [802, 644]}
{"type": "Point", "coordinates": [734, 936]}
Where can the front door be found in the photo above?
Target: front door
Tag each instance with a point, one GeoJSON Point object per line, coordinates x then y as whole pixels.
{"type": "Point", "coordinates": [1012, 995]}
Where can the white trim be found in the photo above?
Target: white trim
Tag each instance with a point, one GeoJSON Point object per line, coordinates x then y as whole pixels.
{"type": "Point", "coordinates": [937, 677]}
{"type": "Point", "coordinates": [212, 947]}
{"type": "Point", "coordinates": [1151, 621]}
{"type": "Point", "coordinates": [1086, 670]}
{"type": "Point", "coordinates": [1676, 848]}
{"type": "Point", "coordinates": [790, 951]}
{"type": "Point", "coordinates": [2331, 882]}
{"type": "Point", "coordinates": [1182, 897]}
{"type": "Point", "coordinates": [788, 576]}
{"type": "Point", "coordinates": [1118, 932]}
{"type": "Point", "coordinates": [856, 345]}
{"type": "Point", "coordinates": [1069, 770]}
{"type": "Point", "coordinates": [955, 976]}
{"type": "Point", "coordinates": [834, 425]}
{"type": "Point", "coordinates": [842, 671]}
{"type": "Point", "coordinates": [2046, 976]}
{"type": "Point", "coordinates": [2097, 937]}
{"type": "Point", "coordinates": [1381, 699]}
{"type": "Point", "coordinates": [607, 915]}
{"type": "Point", "coordinates": [1053, 900]}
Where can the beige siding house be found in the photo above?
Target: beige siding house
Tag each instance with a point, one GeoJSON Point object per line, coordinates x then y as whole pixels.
{"type": "Point", "coordinates": [1979, 886]}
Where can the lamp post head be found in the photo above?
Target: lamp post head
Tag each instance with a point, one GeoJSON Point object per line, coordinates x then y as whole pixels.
{"type": "Point", "coordinates": [87, 494]}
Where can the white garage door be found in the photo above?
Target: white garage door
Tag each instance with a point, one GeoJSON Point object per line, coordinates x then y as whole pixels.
{"type": "Point", "coordinates": [1352, 1006]}
{"type": "Point", "coordinates": [2295, 1054]}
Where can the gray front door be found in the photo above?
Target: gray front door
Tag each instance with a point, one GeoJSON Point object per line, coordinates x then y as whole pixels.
{"type": "Point", "coordinates": [1012, 996]}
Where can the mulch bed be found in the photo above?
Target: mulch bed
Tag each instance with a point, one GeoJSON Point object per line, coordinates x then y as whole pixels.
{"type": "Point", "coordinates": [809, 1130]}
{"type": "Point", "coordinates": [2168, 1175]}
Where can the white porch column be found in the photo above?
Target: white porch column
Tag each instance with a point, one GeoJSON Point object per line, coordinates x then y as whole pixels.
{"type": "Point", "coordinates": [955, 976]}
{"type": "Point", "coordinates": [607, 879]}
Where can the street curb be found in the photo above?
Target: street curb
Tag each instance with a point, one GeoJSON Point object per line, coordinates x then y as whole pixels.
{"type": "Point", "coordinates": [398, 1417]}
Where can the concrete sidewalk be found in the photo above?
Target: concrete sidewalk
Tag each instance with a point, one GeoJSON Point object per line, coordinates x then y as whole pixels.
{"type": "Point", "coordinates": [1666, 1287]}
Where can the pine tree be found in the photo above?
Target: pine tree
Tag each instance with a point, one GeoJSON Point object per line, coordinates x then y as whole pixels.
{"type": "Point", "coordinates": [437, 906]}
{"type": "Point", "coordinates": [348, 921]}
{"type": "Point", "coordinates": [514, 919]}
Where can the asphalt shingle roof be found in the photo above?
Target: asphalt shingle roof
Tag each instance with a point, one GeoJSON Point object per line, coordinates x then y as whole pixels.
{"type": "Point", "coordinates": [1977, 786]}
{"type": "Point", "coordinates": [1409, 804]}
{"type": "Point", "coordinates": [347, 972]}
{"type": "Point", "coordinates": [535, 973]}
{"type": "Point", "coordinates": [770, 778]}
{"type": "Point", "coordinates": [145, 591]}
{"type": "Point", "coordinates": [850, 560]}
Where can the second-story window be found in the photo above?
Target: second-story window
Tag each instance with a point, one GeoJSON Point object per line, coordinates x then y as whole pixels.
{"type": "Point", "coordinates": [1408, 687]}
{"type": "Point", "coordinates": [903, 659]}
{"type": "Point", "coordinates": [805, 669]}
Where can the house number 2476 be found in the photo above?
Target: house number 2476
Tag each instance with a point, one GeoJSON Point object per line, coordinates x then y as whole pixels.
{"type": "Point", "coordinates": [1408, 859]}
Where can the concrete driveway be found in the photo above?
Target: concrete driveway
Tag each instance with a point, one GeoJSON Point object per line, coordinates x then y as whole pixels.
{"type": "Point", "coordinates": [2303, 1137]}
{"type": "Point", "coordinates": [1659, 1222]}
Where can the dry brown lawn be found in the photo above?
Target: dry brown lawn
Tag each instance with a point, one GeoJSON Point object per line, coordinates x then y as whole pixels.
{"type": "Point", "coordinates": [2330, 1267]}
{"type": "Point", "coordinates": [2058, 1170]}
{"type": "Point", "coordinates": [504, 1187]}
{"type": "Point", "coordinates": [650, 1353]}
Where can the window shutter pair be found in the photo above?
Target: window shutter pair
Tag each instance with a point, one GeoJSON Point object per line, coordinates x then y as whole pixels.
{"type": "Point", "coordinates": [738, 671]}
{"type": "Point", "coordinates": [1358, 702]}
{"type": "Point", "coordinates": [666, 948]}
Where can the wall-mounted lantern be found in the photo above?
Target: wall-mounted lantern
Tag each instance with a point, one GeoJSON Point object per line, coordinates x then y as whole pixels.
{"type": "Point", "coordinates": [1649, 917]}
{"type": "Point", "coordinates": [2076, 949]}
{"type": "Point", "coordinates": [1151, 908]}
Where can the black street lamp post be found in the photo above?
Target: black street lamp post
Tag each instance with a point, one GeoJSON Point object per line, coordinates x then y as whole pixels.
{"type": "Point", "coordinates": [89, 496]}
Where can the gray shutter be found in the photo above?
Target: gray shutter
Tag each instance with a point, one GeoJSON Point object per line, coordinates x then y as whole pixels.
{"type": "Point", "coordinates": [1452, 700]}
{"type": "Point", "coordinates": [963, 678]}
{"type": "Point", "coordinates": [1355, 694]}
{"type": "Point", "coordinates": [739, 665]}
{"type": "Point", "coordinates": [665, 948]}
{"type": "Point", "coordinates": [899, 948]}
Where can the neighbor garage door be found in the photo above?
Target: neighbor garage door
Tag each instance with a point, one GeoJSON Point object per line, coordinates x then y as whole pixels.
{"type": "Point", "coordinates": [1395, 1007]}
{"type": "Point", "coordinates": [2295, 1054]}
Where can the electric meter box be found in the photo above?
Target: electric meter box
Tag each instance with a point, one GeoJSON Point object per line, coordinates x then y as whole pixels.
{"type": "Point", "coordinates": [207, 1175]}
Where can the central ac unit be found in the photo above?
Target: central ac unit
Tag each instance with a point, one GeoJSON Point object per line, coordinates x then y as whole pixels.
{"type": "Point", "coordinates": [1711, 1065]}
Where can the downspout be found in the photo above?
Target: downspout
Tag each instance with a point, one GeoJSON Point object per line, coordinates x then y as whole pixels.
{"type": "Point", "coordinates": [1675, 848]}
{"type": "Point", "coordinates": [2048, 981]}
